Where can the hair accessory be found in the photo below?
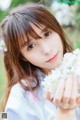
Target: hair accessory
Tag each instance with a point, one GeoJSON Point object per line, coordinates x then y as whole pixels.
{"type": "Point", "coordinates": [2, 45]}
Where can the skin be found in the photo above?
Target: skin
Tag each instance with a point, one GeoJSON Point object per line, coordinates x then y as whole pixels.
{"type": "Point", "coordinates": [38, 52]}
{"type": "Point", "coordinates": [66, 94]}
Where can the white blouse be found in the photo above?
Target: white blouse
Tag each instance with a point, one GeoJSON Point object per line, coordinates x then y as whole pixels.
{"type": "Point", "coordinates": [24, 105]}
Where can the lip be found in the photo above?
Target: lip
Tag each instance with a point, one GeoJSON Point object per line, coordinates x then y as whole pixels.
{"type": "Point", "coordinates": [53, 58]}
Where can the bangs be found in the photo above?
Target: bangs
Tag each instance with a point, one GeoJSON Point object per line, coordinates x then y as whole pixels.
{"type": "Point", "coordinates": [19, 25]}
{"type": "Point", "coordinates": [27, 33]}
{"type": "Point", "coordinates": [24, 31]}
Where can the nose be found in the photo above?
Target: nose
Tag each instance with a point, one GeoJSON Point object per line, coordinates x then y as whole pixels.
{"type": "Point", "coordinates": [46, 48]}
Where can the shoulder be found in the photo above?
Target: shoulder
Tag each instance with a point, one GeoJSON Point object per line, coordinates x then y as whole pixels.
{"type": "Point", "coordinates": [16, 93]}
{"type": "Point", "coordinates": [18, 104]}
{"type": "Point", "coordinates": [18, 98]}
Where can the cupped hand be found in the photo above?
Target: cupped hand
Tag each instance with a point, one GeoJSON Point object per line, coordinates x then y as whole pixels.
{"type": "Point", "coordinates": [66, 96]}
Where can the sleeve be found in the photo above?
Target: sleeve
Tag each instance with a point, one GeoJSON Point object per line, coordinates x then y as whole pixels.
{"type": "Point", "coordinates": [15, 115]}
{"type": "Point", "coordinates": [78, 113]}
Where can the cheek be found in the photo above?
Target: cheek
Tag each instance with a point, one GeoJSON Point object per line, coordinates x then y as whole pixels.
{"type": "Point", "coordinates": [56, 42]}
{"type": "Point", "coordinates": [33, 58]}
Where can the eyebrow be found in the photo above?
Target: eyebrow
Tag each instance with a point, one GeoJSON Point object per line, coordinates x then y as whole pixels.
{"type": "Point", "coordinates": [42, 30]}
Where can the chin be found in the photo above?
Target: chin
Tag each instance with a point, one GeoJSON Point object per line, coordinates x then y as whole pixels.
{"type": "Point", "coordinates": [57, 64]}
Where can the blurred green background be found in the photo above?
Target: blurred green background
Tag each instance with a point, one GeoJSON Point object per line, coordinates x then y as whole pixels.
{"type": "Point", "coordinates": [72, 30]}
{"type": "Point", "coordinates": [2, 75]}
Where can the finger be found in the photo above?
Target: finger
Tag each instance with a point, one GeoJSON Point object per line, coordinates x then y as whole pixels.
{"type": "Point", "coordinates": [78, 94]}
{"type": "Point", "coordinates": [78, 99]}
{"type": "Point", "coordinates": [59, 92]}
{"type": "Point", "coordinates": [74, 90]}
{"type": "Point", "coordinates": [47, 95]}
{"type": "Point", "coordinates": [78, 83]}
{"type": "Point", "coordinates": [68, 89]}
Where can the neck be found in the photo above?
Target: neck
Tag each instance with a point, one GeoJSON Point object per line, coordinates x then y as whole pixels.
{"type": "Point", "coordinates": [46, 72]}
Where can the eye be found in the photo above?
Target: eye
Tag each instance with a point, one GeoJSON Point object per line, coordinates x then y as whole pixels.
{"type": "Point", "coordinates": [31, 46]}
{"type": "Point", "coordinates": [46, 34]}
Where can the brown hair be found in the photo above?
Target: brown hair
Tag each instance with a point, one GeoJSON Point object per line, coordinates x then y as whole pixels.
{"type": "Point", "coordinates": [15, 29]}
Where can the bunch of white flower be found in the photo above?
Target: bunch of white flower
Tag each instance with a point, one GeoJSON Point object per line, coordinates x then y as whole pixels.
{"type": "Point", "coordinates": [69, 65]}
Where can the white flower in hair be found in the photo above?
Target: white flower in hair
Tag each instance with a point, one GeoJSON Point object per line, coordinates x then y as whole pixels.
{"type": "Point", "coordinates": [2, 45]}
{"type": "Point", "coordinates": [70, 65]}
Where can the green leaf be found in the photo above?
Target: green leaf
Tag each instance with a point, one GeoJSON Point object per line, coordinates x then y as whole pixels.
{"type": "Point", "coordinates": [76, 44]}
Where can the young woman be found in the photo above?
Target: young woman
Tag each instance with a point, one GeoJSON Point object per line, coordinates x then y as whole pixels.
{"type": "Point", "coordinates": [35, 45]}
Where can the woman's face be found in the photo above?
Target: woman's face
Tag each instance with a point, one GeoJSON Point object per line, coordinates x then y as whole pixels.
{"type": "Point", "coordinates": [46, 52]}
